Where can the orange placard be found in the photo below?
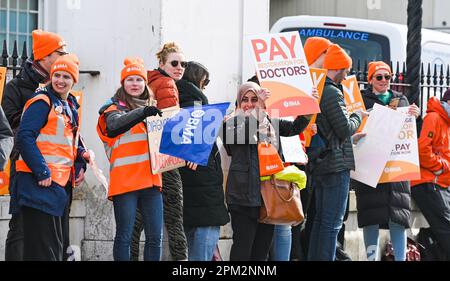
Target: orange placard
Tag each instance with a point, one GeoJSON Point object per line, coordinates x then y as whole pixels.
{"type": "Point", "coordinates": [318, 77]}
{"type": "Point", "coordinates": [353, 97]}
{"type": "Point", "coordinates": [79, 96]}
{"type": "Point", "coordinates": [2, 81]}
{"type": "Point", "coordinates": [4, 184]}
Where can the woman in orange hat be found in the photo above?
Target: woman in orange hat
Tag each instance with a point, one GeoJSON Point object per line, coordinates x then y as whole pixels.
{"type": "Point", "coordinates": [48, 144]}
{"type": "Point", "coordinates": [389, 204]}
{"type": "Point", "coordinates": [123, 131]}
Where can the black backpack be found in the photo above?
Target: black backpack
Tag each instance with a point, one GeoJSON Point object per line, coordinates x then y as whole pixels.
{"type": "Point", "coordinates": [429, 246]}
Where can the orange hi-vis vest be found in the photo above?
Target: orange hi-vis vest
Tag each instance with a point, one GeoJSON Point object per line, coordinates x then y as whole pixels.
{"type": "Point", "coordinates": [129, 160]}
{"type": "Point", "coordinates": [56, 142]}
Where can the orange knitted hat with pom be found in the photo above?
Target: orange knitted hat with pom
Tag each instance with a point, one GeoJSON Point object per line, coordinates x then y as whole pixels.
{"type": "Point", "coordinates": [68, 63]}
{"type": "Point", "coordinates": [133, 66]}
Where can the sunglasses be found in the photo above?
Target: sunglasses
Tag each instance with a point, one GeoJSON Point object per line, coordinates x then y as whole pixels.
{"type": "Point", "coordinates": [61, 53]}
{"type": "Point", "coordinates": [174, 63]}
{"type": "Point", "coordinates": [206, 82]}
{"type": "Point", "coordinates": [387, 77]}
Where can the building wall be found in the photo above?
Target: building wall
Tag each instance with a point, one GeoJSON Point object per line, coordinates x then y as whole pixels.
{"type": "Point", "coordinates": [435, 12]}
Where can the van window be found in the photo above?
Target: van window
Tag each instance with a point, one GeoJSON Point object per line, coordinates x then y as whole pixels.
{"type": "Point", "coordinates": [359, 45]}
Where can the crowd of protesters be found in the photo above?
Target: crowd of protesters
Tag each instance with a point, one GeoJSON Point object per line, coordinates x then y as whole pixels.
{"type": "Point", "coordinates": [48, 159]}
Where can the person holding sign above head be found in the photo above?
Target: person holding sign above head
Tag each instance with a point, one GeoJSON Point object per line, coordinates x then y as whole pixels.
{"type": "Point", "coordinates": [389, 204]}
{"type": "Point", "coordinates": [162, 82]}
{"type": "Point", "coordinates": [315, 50]}
{"type": "Point", "coordinates": [48, 144]}
{"type": "Point", "coordinates": [248, 126]}
{"type": "Point", "coordinates": [123, 132]}
{"type": "Point", "coordinates": [432, 193]}
{"type": "Point", "coordinates": [331, 174]}
{"type": "Point", "coordinates": [204, 209]}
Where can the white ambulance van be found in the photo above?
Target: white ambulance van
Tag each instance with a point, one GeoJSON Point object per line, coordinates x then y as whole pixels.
{"type": "Point", "coordinates": [368, 40]}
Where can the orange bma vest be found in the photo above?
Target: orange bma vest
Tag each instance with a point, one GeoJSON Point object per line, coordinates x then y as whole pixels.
{"type": "Point", "coordinates": [56, 142]}
{"type": "Point", "coordinates": [129, 160]}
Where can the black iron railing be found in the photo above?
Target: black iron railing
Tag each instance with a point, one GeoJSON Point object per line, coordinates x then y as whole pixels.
{"type": "Point", "coordinates": [14, 62]}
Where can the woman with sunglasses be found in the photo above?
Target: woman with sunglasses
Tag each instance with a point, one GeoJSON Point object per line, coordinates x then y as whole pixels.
{"type": "Point", "coordinates": [162, 82]}
{"type": "Point", "coordinates": [204, 206]}
{"type": "Point", "coordinates": [389, 204]}
{"type": "Point", "coordinates": [50, 157]}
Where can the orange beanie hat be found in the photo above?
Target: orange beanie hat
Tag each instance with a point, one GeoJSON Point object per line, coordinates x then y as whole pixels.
{"type": "Point", "coordinates": [377, 65]}
{"type": "Point", "coordinates": [133, 66]}
{"type": "Point", "coordinates": [337, 58]}
{"type": "Point", "coordinates": [68, 63]}
{"type": "Point", "coordinates": [45, 43]}
{"type": "Point", "coordinates": [314, 47]}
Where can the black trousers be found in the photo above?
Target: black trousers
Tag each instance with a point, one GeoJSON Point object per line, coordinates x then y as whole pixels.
{"type": "Point", "coordinates": [251, 239]}
{"type": "Point", "coordinates": [46, 237]}
{"type": "Point", "coordinates": [434, 203]}
{"type": "Point", "coordinates": [14, 239]}
{"type": "Point", "coordinates": [43, 237]}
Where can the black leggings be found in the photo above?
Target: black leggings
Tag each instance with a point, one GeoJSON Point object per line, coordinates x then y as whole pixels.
{"type": "Point", "coordinates": [251, 239]}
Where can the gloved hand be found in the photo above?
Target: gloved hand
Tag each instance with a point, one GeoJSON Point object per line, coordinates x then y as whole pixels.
{"type": "Point", "coordinates": [152, 111]}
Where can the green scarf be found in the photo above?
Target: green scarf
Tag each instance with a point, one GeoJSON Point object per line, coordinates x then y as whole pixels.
{"type": "Point", "coordinates": [385, 98]}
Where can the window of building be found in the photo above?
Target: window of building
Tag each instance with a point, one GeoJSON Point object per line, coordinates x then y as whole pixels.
{"type": "Point", "coordinates": [18, 18]}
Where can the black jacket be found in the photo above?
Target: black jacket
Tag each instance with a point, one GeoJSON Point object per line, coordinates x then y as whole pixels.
{"type": "Point", "coordinates": [243, 184]}
{"type": "Point", "coordinates": [16, 93]}
{"type": "Point", "coordinates": [203, 195]}
{"type": "Point", "coordinates": [388, 201]}
{"type": "Point", "coordinates": [336, 127]}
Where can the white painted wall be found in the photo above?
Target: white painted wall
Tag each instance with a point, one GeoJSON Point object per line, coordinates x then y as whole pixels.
{"type": "Point", "coordinates": [102, 33]}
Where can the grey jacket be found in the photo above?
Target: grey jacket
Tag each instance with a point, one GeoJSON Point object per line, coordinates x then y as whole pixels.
{"type": "Point", "coordinates": [336, 126]}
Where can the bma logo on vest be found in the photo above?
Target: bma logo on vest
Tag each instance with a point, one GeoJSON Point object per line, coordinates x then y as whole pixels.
{"type": "Point", "coordinates": [191, 126]}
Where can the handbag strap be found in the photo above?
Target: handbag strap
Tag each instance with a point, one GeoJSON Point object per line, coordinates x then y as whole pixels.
{"type": "Point", "coordinates": [291, 190]}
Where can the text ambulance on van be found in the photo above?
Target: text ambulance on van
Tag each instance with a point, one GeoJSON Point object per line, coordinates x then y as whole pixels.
{"type": "Point", "coordinates": [368, 40]}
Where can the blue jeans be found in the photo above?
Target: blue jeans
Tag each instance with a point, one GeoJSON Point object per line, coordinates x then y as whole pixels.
{"type": "Point", "coordinates": [150, 204]}
{"type": "Point", "coordinates": [398, 237]}
{"type": "Point", "coordinates": [201, 242]}
{"type": "Point", "coordinates": [331, 193]}
{"type": "Point", "coordinates": [281, 244]}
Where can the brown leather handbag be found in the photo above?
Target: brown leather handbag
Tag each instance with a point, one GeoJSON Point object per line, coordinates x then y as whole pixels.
{"type": "Point", "coordinates": [281, 203]}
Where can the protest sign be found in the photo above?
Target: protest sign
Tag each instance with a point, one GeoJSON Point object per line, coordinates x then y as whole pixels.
{"type": "Point", "coordinates": [318, 77]}
{"type": "Point", "coordinates": [403, 164]}
{"type": "Point", "coordinates": [353, 98]}
{"type": "Point", "coordinates": [373, 151]}
{"type": "Point", "coordinates": [191, 134]}
{"type": "Point", "coordinates": [293, 151]}
{"type": "Point", "coordinates": [281, 67]}
{"type": "Point", "coordinates": [161, 162]}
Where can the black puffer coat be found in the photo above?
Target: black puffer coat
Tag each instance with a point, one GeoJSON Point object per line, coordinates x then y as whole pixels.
{"type": "Point", "coordinates": [203, 194]}
{"type": "Point", "coordinates": [388, 201]}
